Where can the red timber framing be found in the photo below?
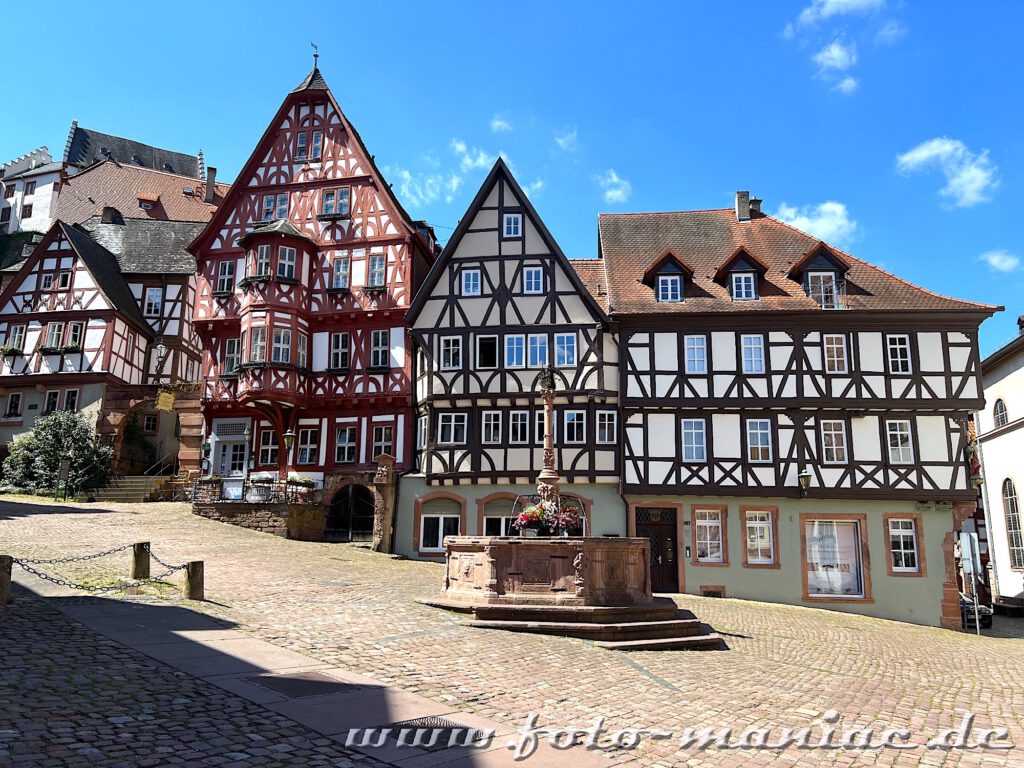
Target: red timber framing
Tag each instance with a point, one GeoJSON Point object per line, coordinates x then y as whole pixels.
{"type": "Point", "coordinates": [304, 277]}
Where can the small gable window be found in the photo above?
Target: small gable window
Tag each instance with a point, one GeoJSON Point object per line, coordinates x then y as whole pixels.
{"type": "Point", "coordinates": [533, 280]}
{"type": "Point", "coordinates": [317, 147]}
{"type": "Point", "coordinates": [670, 288]}
{"type": "Point", "coordinates": [744, 286]}
{"type": "Point", "coordinates": [513, 225]}
{"type": "Point", "coordinates": [471, 282]}
{"type": "Point", "coordinates": [300, 150]}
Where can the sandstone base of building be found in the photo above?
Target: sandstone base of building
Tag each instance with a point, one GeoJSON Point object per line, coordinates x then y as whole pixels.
{"type": "Point", "coordinates": [304, 522]}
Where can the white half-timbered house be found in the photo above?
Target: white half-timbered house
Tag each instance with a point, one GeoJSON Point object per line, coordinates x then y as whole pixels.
{"type": "Point", "coordinates": [501, 303]}
{"type": "Point", "coordinates": [793, 418]}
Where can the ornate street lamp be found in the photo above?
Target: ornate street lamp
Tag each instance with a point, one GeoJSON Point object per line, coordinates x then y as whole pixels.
{"type": "Point", "coordinates": [289, 439]}
{"type": "Point", "coordinates": [161, 354]}
{"type": "Point", "coordinates": [804, 478]}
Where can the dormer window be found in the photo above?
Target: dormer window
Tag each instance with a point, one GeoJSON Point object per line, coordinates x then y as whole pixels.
{"type": "Point", "coordinates": [513, 225]}
{"type": "Point", "coordinates": [670, 288]}
{"type": "Point", "coordinates": [744, 286]}
{"type": "Point", "coordinates": [824, 288]}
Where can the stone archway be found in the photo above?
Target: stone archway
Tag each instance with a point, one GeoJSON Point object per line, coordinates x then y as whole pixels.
{"type": "Point", "coordinates": [351, 514]}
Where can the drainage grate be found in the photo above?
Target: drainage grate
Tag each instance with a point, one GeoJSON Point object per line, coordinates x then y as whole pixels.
{"type": "Point", "coordinates": [434, 733]}
{"type": "Point", "coordinates": [302, 685]}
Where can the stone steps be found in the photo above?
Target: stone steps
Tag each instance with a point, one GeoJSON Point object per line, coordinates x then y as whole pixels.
{"type": "Point", "coordinates": [711, 641]}
{"type": "Point", "coordinates": [132, 489]}
{"type": "Point", "coordinates": [662, 609]}
{"type": "Point", "coordinates": [633, 630]}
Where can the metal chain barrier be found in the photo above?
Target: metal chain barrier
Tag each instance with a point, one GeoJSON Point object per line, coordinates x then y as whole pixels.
{"type": "Point", "coordinates": [79, 559]}
{"type": "Point", "coordinates": [26, 565]}
{"type": "Point", "coordinates": [172, 568]}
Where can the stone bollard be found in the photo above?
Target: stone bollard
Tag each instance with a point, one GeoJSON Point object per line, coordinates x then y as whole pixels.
{"type": "Point", "coordinates": [193, 587]}
{"type": "Point", "coordinates": [6, 564]}
{"type": "Point", "coordinates": [140, 561]}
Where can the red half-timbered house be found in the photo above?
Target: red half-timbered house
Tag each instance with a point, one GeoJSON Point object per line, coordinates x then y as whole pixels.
{"type": "Point", "coordinates": [304, 278]}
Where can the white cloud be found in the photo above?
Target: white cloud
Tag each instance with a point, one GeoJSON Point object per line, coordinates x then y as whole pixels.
{"type": "Point", "coordinates": [535, 187]}
{"type": "Point", "coordinates": [500, 125]}
{"type": "Point", "coordinates": [418, 190]}
{"type": "Point", "coordinates": [471, 158]}
{"type": "Point", "coordinates": [890, 34]}
{"type": "Point", "coordinates": [970, 177]}
{"type": "Point", "coordinates": [836, 55]}
{"type": "Point", "coordinates": [824, 9]}
{"type": "Point", "coordinates": [567, 140]}
{"type": "Point", "coordinates": [828, 221]}
{"type": "Point", "coordinates": [1001, 261]}
{"type": "Point", "coordinates": [847, 85]}
{"type": "Point", "coordinates": [616, 189]}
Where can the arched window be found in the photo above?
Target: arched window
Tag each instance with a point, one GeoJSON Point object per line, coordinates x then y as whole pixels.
{"type": "Point", "coordinates": [999, 413]}
{"type": "Point", "coordinates": [1014, 535]}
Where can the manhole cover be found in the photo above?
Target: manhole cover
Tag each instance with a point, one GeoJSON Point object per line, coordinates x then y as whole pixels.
{"type": "Point", "coordinates": [434, 733]}
{"type": "Point", "coordinates": [302, 685]}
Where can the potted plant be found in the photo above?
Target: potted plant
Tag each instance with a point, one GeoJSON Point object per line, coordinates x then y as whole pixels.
{"type": "Point", "coordinates": [9, 350]}
{"type": "Point", "coordinates": [531, 519]}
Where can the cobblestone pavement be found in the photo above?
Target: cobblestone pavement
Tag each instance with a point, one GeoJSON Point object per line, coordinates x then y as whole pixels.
{"type": "Point", "coordinates": [786, 665]}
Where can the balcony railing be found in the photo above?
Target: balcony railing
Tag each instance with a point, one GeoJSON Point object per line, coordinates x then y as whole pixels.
{"type": "Point", "coordinates": [258, 491]}
{"type": "Point", "coordinates": [829, 295]}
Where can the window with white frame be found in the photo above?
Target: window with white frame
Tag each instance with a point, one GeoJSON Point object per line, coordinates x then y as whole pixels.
{"type": "Point", "coordinates": [76, 334]}
{"type": "Point", "coordinates": [308, 445]}
{"type": "Point", "coordinates": [694, 442]}
{"type": "Point", "coordinates": [282, 349]}
{"type": "Point", "coordinates": [575, 427]}
{"type": "Point", "coordinates": [901, 447]}
{"type": "Point", "coordinates": [533, 280]}
{"type": "Point", "coordinates": [759, 440]}
{"type": "Point", "coordinates": [383, 440]}
{"type": "Point", "coordinates": [434, 529]}
{"type": "Point", "coordinates": [696, 354]}
{"type": "Point", "coordinates": [833, 441]}
{"type": "Point", "coordinates": [513, 225]}
{"type": "Point", "coordinates": [64, 281]}
{"type": "Point", "coordinates": [300, 147]}
{"type": "Point", "coordinates": [490, 428]}
{"type": "Point", "coordinates": [565, 350]}
{"type": "Point", "coordinates": [539, 427]}
{"type": "Point", "coordinates": [154, 301]}
{"type": "Point", "coordinates": [46, 282]}
{"type": "Point", "coordinates": [339, 351]}
{"type": "Point", "coordinates": [670, 288]}
{"type": "Point", "coordinates": [286, 262]}
{"type": "Point", "coordinates": [519, 427]}
{"type": "Point", "coordinates": [759, 538]}
{"type": "Point", "coordinates": [52, 402]}
{"type": "Point", "coordinates": [376, 271]}
{"type": "Point", "coordinates": [451, 353]}
{"type": "Point", "coordinates": [470, 282]}
{"type": "Point", "coordinates": [897, 346]}
{"type": "Point", "coordinates": [54, 332]}
{"type": "Point", "coordinates": [499, 526]}
{"type": "Point", "coordinates": [316, 147]}
{"type": "Point", "coordinates": [821, 286]}
{"type": "Point", "coordinates": [340, 273]}
{"type": "Point", "coordinates": [268, 447]}
{"type": "Point", "coordinates": [302, 350]}
{"type": "Point", "coordinates": [231, 347]}
{"type": "Point", "coordinates": [752, 349]}
{"type": "Point", "coordinates": [744, 286]}
{"type": "Point", "coordinates": [421, 432]}
{"type": "Point", "coordinates": [903, 545]}
{"type": "Point", "coordinates": [71, 400]}
{"type": "Point", "coordinates": [607, 425]}
{"type": "Point", "coordinates": [999, 414]}
{"type": "Point", "coordinates": [226, 276]}
{"type": "Point", "coordinates": [261, 265]}
{"type": "Point", "coordinates": [709, 536]}
{"type": "Point", "coordinates": [451, 429]}
{"type": "Point", "coordinates": [380, 348]}
{"type": "Point", "coordinates": [1014, 529]}
{"type": "Point", "coordinates": [335, 202]}
{"type": "Point", "coordinates": [282, 205]}
{"type": "Point", "coordinates": [258, 353]}
{"type": "Point", "coordinates": [834, 345]}
{"type": "Point", "coordinates": [345, 445]}
{"type": "Point", "coordinates": [486, 352]}
{"type": "Point", "coordinates": [538, 346]}
{"type": "Point", "coordinates": [13, 405]}
{"type": "Point", "coordinates": [268, 207]}
{"type": "Point", "coordinates": [515, 351]}
{"type": "Point", "coordinates": [16, 337]}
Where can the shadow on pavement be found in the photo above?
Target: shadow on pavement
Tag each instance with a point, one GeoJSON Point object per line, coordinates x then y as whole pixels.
{"type": "Point", "coordinates": [10, 509]}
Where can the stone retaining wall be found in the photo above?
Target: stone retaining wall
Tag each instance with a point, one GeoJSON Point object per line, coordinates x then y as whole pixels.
{"type": "Point", "coordinates": [304, 522]}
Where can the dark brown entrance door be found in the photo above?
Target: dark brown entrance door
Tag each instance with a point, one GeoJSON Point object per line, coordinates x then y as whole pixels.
{"type": "Point", "coordinates": [659, 525]}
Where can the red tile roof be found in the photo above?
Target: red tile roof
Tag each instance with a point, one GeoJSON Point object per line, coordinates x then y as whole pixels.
{"type": "Point", "coordinates": [631, 243]}
{"type": "Point", "coordinates": [122, 186]}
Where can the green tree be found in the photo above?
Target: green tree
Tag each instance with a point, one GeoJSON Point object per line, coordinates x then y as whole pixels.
{"type": "Point", "coordinates": [34, 461]}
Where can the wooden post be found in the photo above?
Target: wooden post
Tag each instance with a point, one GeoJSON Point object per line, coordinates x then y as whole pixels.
{"type": "Point", "coordinates": [193, 587]}
{"type": "Point", "coordinates": [140, 560]}
{"type": "Point", "coordinates": [6, 564]}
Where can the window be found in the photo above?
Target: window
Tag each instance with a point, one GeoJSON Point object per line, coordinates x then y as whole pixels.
{"type": "Point", "coordinates": [13, 405]}
{"type": "Point", "coordinates": [30, 188]}
{"type": "Point", "coordinates": [533, 280]}
{"type": "Point", "coordinates": [9, 190]}
{"type": "Point", "coordinates": [282, 205]}
{"type": "Point", "coordinates": [821, 286]}
{"type": "Point", "coordinates": [709, 536]}
{"type": "Point", "coordinates": [308, 445]}
{"type": "Point", "coordinates": [898, 348]}
{"type": "Point", "coordinates": [470, 282]}
{"type": "Point", "coordinates": [515, 351]}
{"type": "Point", "coordinates": [434, 529]}
{"type": "Point", "coordinates": [670, 288]}
{"type": "Point", "coordinates": [52, 401]}
{"type": "Point", "coordinates": [903, 545]}
{"type": "Point", "coordinates": [565, 350]}
{"type": "Point", "coordinates": [76, 331]}
{"type": "Point", "coordinates": [519, 427]}
{"type": "Point", "coordinates": [760, 542]}
{"type": "Point", "coordinates": [149, 422]}
{"type": "Point", "coordinates": [744, 286]}
{"type": "Point", "coordinates": [499, 526]}
{"type": "Point", "coordinates": [64, 281]}
{"type": "Point", "coordinates": [316, 148]}
{"type": "Point", "coordinates": [16, 337]}
{"type": "Point", "coordinates": [421, 433]}
{"type": "Point", "coordinates": [539, 427]}
{"type": "Point", "coordinates": [154, 301]}
{"type": "Point", "coordinates": [336, 202]}
{"type": "Point", "coordinates": [380, 348]}
{"type": "Point", "coordinates": [835, 353]}
{"type": "Point", "coordinates": [300, 148]}
{"type": "Point", "coordinates": [538, 350]}
{"type": "Point", "coordinates": [376, 271]}
{"type": "Point", "coordinates": [262, 264]}
{"type": "Point", "coordinates": [999, 414]}
{"type": "Point", "coordinates": [451, 429]}
{"type": "Point", "coordinates": [696, 354]}
{"type": "Point", "coordinates": [1014, 533]}
{"type": "Point", "coordinates": [231, 347]}
{"type": "Point", "coordinates": [833, 555]}
{"type": "Point", "coordinates": [26, 211]}
{"type": "Point", "coordinates": [383, 440]}
{"type": "Point", "coordinates": [491, 428]}
{"type": "Point", "coordinates": [901, 450]}
{"type": "Point", "coordinates": [451, 353]}
{"type": "Point", "coordinates": [54, 332]}
{"type": "Point", "coordinates": [693, 440]}
{"type": "Point", "coordinates": [513, 225]}
{"type": "Point", "coordinates": [286, 262]}
{"type": "Point", "coordinates": [259, 345]}
{"type": "Point", "coordinates": [71, 400]}
{"type": "Point", "coordinates": [759, 440]}
{"type": "Point", "coordinates": [752, 347]}
{"type": "Point", "coordinates": [339, 351]}
{"type": "Point", "coordinates": [46, 283]}
{"type": "Point", "coordinates": [302, 350]}
{"type": "Point", "coordinates": [345, 445]}
{"type": "Point", "coordinates": [282, 348]}
{"type": "Point", "coordinates": [339, 273]}
{"type": "Point", "coordinates": [268, 447]}
{"type": "Point", "coordinates": [268, 207]}
{"type": "Point", "coordinates": [833, 441]}
{"type": "Point", "coordinates": [607, 423]}
{"type": "Point", "coordinates": [226, 277]}
{"type": "Point", "coordinates": [486, 352]}
{"type": "Point", "coordinates": [575, 430]}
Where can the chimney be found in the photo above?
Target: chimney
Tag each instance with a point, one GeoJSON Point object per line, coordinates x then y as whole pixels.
{"type": "Point", "coordinates": [111, 216]}
{"type": "Point", "coordinates": [211, 187]}
{"type": "Point", "coordinates": [743, 205]}
{"type": "Point", "coordinates": [755, 206]}
{"type": "Point", "coordinates": [1020, 325]}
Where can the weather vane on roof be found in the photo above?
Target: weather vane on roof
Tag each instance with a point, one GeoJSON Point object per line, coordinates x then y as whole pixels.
{"type": "Point", "coordinates": [316, 53]}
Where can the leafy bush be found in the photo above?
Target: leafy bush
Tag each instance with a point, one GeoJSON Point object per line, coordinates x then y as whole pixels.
{"type": "Point", "coordinates": [34, 461]}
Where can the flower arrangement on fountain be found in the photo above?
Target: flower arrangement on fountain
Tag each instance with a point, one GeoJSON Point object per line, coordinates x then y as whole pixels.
{"type": "Point", "coordinates": [560, 516]}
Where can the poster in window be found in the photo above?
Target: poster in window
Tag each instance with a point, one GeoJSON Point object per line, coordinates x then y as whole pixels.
{"type": "Point", "coordinates": [834, 559]}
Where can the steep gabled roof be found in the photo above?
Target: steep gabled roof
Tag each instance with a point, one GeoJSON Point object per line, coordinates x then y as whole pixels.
{"type": "Point", "coordinates": [499, 170]}
{"type": "Point", "coordinates": [314, 81]}
{"type": "Point", "coordinates": [86, 147]}
{"type": "Point", "coordinates": [668, 257]}
{"type": "Point", "coordinates": [823, 249]}
{"type": "Point", "coordinates": [740, 254]}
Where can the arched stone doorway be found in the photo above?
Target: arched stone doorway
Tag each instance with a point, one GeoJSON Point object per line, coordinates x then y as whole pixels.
{"type": "Point", "coordinates": [350, 514]}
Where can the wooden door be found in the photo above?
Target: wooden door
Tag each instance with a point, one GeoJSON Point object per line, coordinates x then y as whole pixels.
{"type": "Point", "coordinates": [659, 525]}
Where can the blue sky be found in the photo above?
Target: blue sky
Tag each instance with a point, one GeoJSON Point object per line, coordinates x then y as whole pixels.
{"type": "Point", "coordinates": [891, 128]}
